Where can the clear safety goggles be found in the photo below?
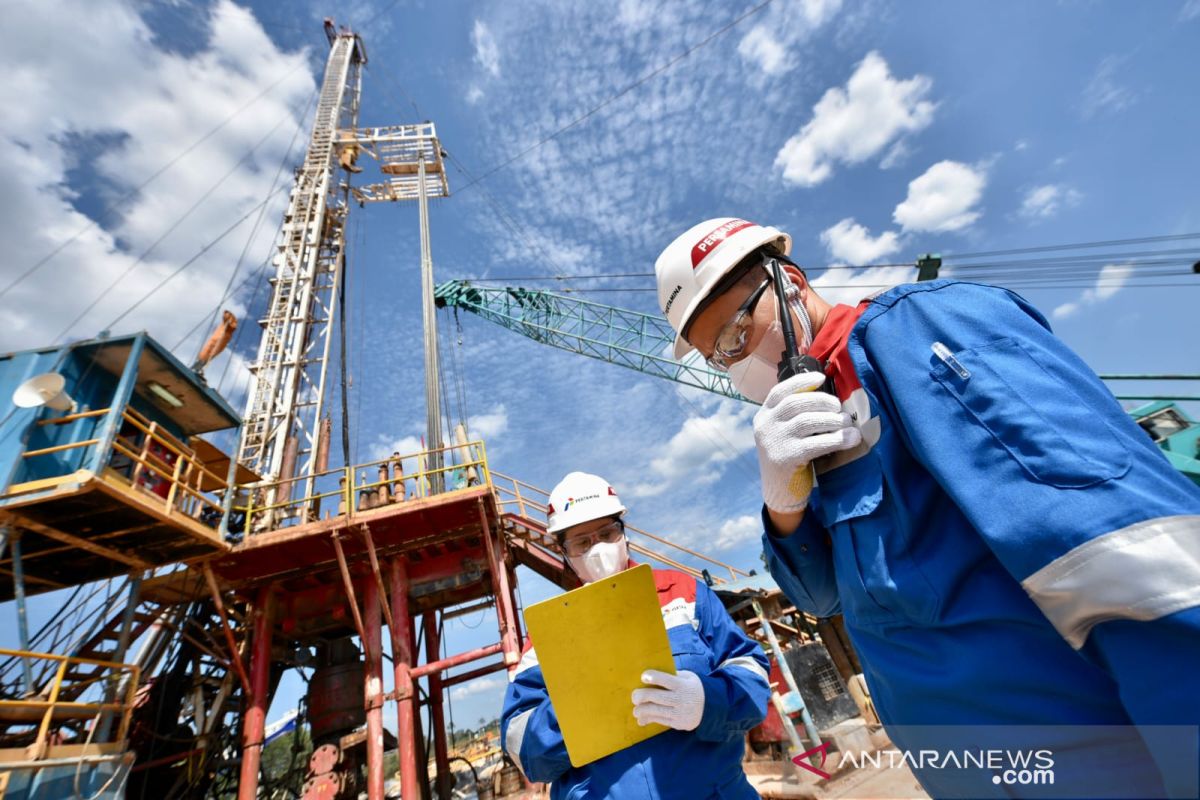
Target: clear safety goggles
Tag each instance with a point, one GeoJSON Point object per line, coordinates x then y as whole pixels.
{"type": "Point", "coordinates": [578, 545]}
{"type": "Point", "coordinates": [733, 337]}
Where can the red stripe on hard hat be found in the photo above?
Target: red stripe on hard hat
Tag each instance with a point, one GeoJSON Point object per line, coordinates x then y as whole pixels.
{"type": "Point", "coordinates": [706, 245]}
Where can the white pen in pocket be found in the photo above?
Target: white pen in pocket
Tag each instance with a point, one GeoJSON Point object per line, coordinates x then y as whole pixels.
{"type": "Point", "coordinates": [943, 353]}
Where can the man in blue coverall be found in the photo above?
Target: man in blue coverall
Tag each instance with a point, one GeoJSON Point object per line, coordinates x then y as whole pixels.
{"type": "Point", "coordinates": [1007, 546]}
{"type": "Point", "coordinates": [719, 691]}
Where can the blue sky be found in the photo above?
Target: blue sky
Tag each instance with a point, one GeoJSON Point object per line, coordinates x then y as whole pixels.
{"type": "Point", "coordinates": [872, 132]}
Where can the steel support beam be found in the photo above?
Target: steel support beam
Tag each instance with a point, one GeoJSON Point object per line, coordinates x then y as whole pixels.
{"type": "Point", "coordinates": [493, 547]}
{"type": "Point", "coordinates": [373, 690]}
{"type": "Point", "coordinates": [14, 541]}
{"type": "Point", "coordinates": [254, 721]}
{"type": "Point", "coordinates": [406, 697]}
{"type": "Point", "coordinates": [441, 757]}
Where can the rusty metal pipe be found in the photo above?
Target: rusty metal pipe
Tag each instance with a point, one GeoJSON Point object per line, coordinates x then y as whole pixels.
{"type": "Point", "coordinates": [255, 720]}
{"type": "Point", "coordinates": [454, 661]}
{"type": "Point", "coordinates": [402, 658]}
{"type": "Point", "coordinates": [373, 692]}
{"type": "Point", "coordinates": [229, 638]}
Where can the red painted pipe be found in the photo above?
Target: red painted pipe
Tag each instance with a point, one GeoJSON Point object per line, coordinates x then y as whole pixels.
{"type": "Point", "coordinates": [493, 547]}
{"type": "Point", "coordinates": [454, 661]}
{"type": "Point", "coordinates": [373, 690]}
{"type": "Point", "coordinates": [441, 757]}
{"type": "Point", "coordinates": [255, 721]}
{"type": "Point", "coordinates": [402, 659]}
{"type": "Point", "coordinates": [455, 680]}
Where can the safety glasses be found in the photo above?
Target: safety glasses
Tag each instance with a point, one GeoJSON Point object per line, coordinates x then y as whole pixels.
{"type": "Point", "coordinates": [733, 337]}
{"type": "Point", "coordinates": [578, 545]}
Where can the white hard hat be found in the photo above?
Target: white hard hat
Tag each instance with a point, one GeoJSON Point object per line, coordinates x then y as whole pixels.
{"type": "Point", "coordinates": [696, 261]}
{"type": "Point", "coordinates": [581, 497]}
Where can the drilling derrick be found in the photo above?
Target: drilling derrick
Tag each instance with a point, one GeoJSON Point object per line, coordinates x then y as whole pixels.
{"type": "Point", "coordinates": [283, 412]}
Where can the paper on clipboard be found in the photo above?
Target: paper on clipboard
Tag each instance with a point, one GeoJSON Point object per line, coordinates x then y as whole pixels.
{"type": "Point", "coordinates": [593, 644]}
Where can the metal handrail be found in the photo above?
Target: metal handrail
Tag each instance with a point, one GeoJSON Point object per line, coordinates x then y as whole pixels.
{"type": "Point", "coordinates": [47, 703]}
{"type": "Point", "coordinates": [350, 486]}
{"type": "Point", "coordinates": [524, 502]}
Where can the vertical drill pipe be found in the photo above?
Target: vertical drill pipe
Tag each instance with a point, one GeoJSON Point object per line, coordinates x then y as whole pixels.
{"type": "Point", "coordinates": [433, 403]}
{"type": "Point", "coordinates": [255, 720]}
{"type": "Point", "coordinates": [810, 727]}
{"type": "Point", "coordinates": [234, 656]}
{"type": "Point", "coordinates": [504, 608]}
{"type": "Point", "coordinates": [373, 691]}
{"type": "Point", "coordinates": [442, 758]}
{"type": "Point", "coordinates": [406, 698]}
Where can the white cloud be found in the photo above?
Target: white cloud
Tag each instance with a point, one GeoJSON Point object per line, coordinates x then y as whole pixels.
{"type": "Point", "coordinates": [762, 48]}
{"type": "Point", "coordinates": [1110, 281]}
{"type": "Point", "coordinates": [774, 41]}
{"type": "Point", "coordinates": [1104, 92]}
{"type": "Point", "coordinates": [1190, 10]}
{"type": "Point", "coordinates": [634, 14]}
{"type": "Point", "coordinates": [736, 532]}
{"type": "Point", "coordinates": [1043, 202]}
{"type": "Point", "coordinates": [943, 198]}
{"type": "Point", "coordinates": [489, 684]}
{"type": "Point", "coordinates": [702, 448]}
{"type": "Point", "coordinates": [855, 123]}
{"type": "Point", "coordinates": [489, 425]}
{"type": "Point", "coordinates": [850, 286]}
{"type": "Point", "coordinates": [1022, 144]}
{"type": "Point", "coordinates": [487, 53]}
{"type": "Point", "coordinates": [474, 94]}
{"type": "Point", "coordinates": [896, 155]}
{"type": "Point", "coordinates": [851, 243]}
{"type": "Point", "coordinates": [109, 83]}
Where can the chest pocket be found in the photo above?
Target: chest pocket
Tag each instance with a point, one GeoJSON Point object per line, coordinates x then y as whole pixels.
{"type": "Point", "coordinates": [879, 580]}
{"type": "Point", "coordinates": [688, 649]}
{"type": "Point", "coordinates": [1034, 416]}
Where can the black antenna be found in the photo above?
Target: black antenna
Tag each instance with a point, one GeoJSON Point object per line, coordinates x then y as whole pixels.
{"type": "Point", "coordinates": [791, 360]}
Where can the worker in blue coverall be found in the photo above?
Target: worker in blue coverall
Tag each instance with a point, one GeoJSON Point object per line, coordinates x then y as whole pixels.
{"type": "Point", "coordinates": [1007, 546]}
{"type": "Point", "coordinates": [719, 691]}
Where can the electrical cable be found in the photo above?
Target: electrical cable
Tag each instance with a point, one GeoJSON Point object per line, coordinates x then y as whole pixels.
{"type": "Point", "coordinates": [283, 162]}
{"type": "Point", "coordinates": [191, 260]}
{"type": "Point", "coordinates": [170, 229]}
{"type": "Point", "coordinates": [508, 222]}
{"type": "Point", "coordinates": [132, 192]}
{"type": "Point", "coordinates": [1078, 246]}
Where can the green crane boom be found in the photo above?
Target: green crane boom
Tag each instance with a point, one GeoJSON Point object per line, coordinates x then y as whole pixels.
{"type": "Point", "coordinates": [631, 339]}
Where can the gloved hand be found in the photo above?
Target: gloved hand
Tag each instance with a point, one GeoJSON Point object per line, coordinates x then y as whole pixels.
{"type": "Point", "coordinates": [795, 425]}
{"type": "Point", "coordinates": [678, 704]}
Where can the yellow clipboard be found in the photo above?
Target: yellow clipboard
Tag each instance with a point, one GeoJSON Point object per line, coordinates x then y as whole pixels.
{"type": "Point", "coordinates": [593, 644]}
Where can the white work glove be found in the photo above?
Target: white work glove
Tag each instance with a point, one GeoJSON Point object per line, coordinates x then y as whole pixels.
{"type": "Point", "coordinates": [678, 704]}
{"type": "Point", "coordinates": [795, 425]}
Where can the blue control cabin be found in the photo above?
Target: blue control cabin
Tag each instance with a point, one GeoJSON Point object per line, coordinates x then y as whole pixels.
{"type": "Point", "coordinates": [102, 471]}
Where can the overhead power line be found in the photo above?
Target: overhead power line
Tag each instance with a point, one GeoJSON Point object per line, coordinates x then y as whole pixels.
{"type": "Point", "coordinates": [147, 181]}
{"type": "Point", "coordinates": [192, 260]}
{"type": "Point", "coordinates": [170, 229]}
{"type": "Point", "coordinates": [1079, 246]}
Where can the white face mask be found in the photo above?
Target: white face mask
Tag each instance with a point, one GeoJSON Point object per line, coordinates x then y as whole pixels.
{"type": "Point", "coordinates": [756, 374]}
{"type": "Point", "coordinates": [603, 560]}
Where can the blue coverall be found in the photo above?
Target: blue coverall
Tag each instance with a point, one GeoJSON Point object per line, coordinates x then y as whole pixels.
{"type": "Point", "coordinates": [1008, 547]}
{"type": "Point", "coordinates": [692, 765]}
